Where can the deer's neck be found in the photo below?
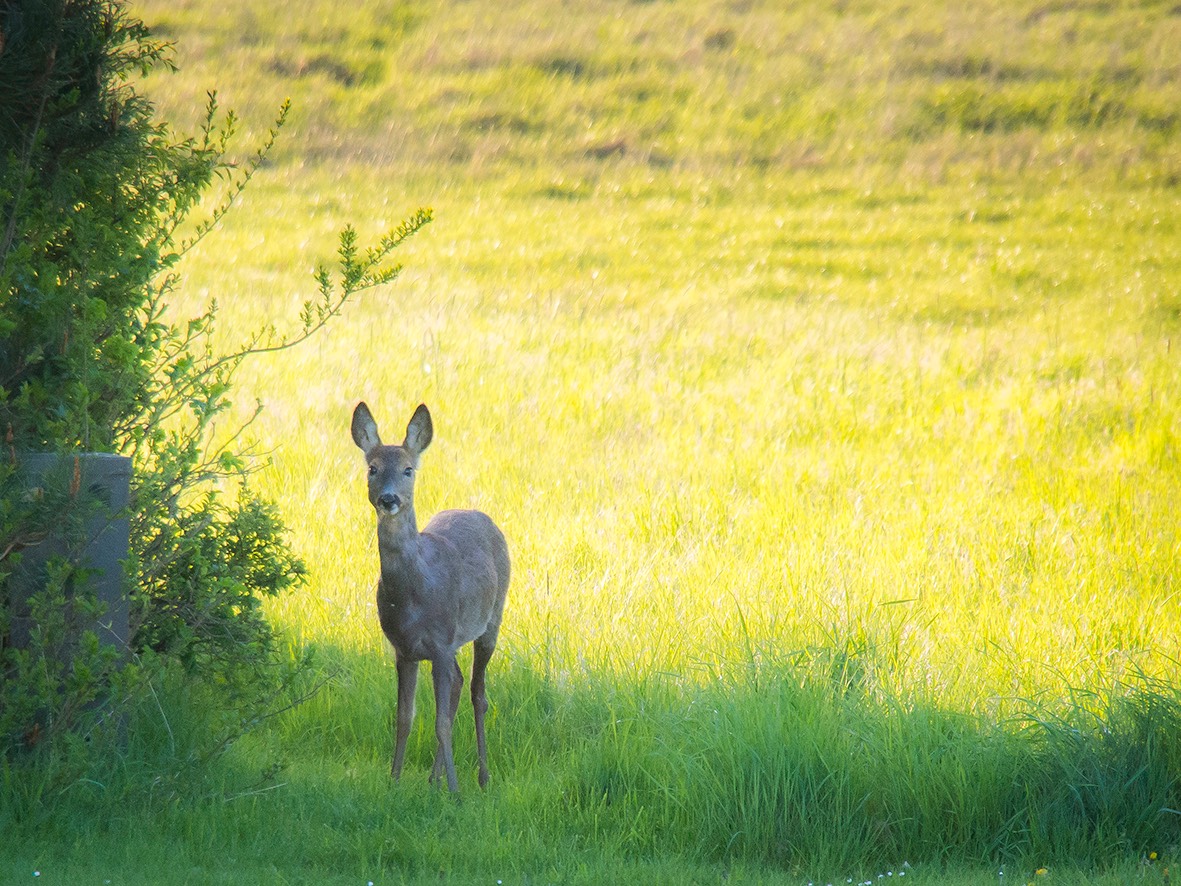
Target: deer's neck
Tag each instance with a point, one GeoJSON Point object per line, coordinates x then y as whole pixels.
{"type": "Point", "coordinates": [401, 556]}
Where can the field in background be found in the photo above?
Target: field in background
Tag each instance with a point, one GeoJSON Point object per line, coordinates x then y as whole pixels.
{"type": "Point", "coordinates": [822, 367]}
{"type": "Point", "coordinates": [919, 385]}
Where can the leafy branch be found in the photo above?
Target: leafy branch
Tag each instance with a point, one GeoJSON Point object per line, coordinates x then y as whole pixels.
{"type": "Point", "coordinates": [96, 205]}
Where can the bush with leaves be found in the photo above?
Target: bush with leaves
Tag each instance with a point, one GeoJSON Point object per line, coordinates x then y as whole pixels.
{"type": "Point", "coordinates": [94, 192]}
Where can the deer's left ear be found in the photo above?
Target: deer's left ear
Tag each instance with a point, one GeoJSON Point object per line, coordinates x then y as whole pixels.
{"type": "Point", "coordinates": [419, 432]}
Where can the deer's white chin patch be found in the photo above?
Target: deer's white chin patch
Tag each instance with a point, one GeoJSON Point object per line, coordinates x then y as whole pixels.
{"type": "Point", "coordinates": [392, 511]}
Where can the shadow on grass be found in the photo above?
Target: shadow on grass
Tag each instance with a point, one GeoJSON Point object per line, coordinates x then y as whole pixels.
{"type": "Point", "coordinates": [792, 766]}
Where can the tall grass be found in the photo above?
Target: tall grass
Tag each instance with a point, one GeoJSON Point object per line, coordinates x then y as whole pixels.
{"type": "Point", "coordinates": [821, 366]}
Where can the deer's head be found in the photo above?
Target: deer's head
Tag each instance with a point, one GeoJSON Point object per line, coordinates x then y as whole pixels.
{"type": "Point", "coordinates": [391, 468]}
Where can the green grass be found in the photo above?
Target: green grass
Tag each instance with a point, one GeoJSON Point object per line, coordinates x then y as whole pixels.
{"type": "Point", "coordinates": [821, 367]}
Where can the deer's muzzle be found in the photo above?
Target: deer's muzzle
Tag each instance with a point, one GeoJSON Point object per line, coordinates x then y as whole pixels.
{"type": "Point", "coordinates": [389, 503]}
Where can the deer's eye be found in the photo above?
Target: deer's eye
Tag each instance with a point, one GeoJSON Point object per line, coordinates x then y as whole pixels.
{"type": "Point", "coordinates": [372, 470]}
{"type": "Point", "coordinates": [409, 472]}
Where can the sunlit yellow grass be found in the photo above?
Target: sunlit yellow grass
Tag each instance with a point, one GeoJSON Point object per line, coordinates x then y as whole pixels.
{"type": "Point", "coordinates": [820, 363]}
{"type": "Point", "coordinates": [708, 447]}
{"type": "Point", "coordinates": [756, 354]}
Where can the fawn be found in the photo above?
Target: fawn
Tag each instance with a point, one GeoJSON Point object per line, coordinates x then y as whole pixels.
{"type": "Point", "coordinates": [439, 589]}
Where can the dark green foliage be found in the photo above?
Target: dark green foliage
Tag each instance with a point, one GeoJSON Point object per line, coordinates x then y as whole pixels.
{"type": "Point", "coordinates": [93, 191]}
{"type": "Point", "coordinates": [200, 603]}
{"type": "Point", "coordinates": [63, 672]}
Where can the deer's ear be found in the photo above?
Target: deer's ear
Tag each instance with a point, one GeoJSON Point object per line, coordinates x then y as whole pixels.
{"type": "Point", "coordinates": [419, 431]}
{"type": "Point", "coordinates": [365, 429]}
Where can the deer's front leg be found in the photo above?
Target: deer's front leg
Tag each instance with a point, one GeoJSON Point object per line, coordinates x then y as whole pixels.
{"type": "Point", "coordinates": [456, 689]}
{"type": "Point", "coordinates": [407, 682]}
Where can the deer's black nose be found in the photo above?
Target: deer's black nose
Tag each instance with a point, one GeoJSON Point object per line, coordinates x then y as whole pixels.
{"type": "Point", "coordinates": [389, 502]}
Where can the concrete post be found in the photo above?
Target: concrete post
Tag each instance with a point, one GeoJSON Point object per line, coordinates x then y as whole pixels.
{"type": "Point", "coordinates": [99, 482]}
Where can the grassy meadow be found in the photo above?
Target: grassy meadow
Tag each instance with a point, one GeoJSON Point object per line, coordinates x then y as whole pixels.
{"type": "Point", "coordinates": [822, 364]}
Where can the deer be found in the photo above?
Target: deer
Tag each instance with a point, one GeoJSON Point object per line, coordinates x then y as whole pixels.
{"type": "Point", "coordinates": [439, 589]}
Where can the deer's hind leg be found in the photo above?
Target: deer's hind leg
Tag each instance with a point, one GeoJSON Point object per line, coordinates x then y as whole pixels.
{"type": "Point", "coordinates": [483, 648]}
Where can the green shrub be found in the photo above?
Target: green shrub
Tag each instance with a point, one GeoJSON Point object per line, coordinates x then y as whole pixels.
{"type": "Point", "coordinates": [93, 193]}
